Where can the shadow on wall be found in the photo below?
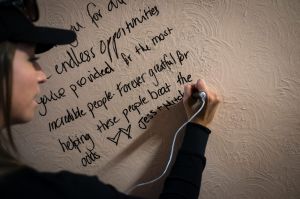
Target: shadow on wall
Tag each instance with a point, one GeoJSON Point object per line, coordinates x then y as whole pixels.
{"type": "Point", "coordinates": [171, 120]}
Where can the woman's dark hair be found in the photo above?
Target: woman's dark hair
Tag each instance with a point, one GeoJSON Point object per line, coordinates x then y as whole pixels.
{"type": "Point", "coordinates": [7, 52]}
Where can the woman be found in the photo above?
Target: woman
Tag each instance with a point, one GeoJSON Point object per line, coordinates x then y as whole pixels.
{"type": "Point", "coordinates": [20, 76]}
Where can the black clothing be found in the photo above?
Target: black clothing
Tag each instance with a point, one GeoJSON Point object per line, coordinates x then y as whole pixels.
{"type": "Point", "coordinates": [183, 181]}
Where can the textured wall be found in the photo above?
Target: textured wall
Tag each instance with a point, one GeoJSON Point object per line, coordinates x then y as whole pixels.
{"type": "Point", "coordinates": [248, 51]}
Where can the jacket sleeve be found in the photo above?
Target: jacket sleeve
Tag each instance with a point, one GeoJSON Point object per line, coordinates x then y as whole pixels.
{"type": "Point", "coordinates": [184, 180]}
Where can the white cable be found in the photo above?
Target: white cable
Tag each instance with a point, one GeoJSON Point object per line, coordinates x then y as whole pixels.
{"type": "Point", "coordinates": [202, 97]}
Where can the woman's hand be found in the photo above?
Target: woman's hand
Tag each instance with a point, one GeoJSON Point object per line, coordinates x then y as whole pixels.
{"type": "Point", "coordinates": [212, 101]}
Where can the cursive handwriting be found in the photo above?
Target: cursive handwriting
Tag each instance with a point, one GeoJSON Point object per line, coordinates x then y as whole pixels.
{"type": "Point", "coordinates": [48, 98]}
{"type": "Point", "coordinates": [71, 116]}
{"type": "Point", "coordinates": [131, 85]}
{"type": "Point", "coordinates": [92, 76]}
{"type": "Point", "coordinates": [100, 102]}
{"type": "Point", "coordinates": [107, 45]}
{"type": "Point", "coordinates": [107, 124]}
{"type": "Point", "coordinates": [135, 107]}
{"type": "Point", "coordinates": [74, 142]}
{"type": "Point", "coordinates": [74, 60]}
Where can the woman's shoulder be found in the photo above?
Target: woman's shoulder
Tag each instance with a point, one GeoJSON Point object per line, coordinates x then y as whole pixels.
{"type": "Point", "coordinates": [29, 174]}
{"type": "Point", "coordinates": [63, 184]}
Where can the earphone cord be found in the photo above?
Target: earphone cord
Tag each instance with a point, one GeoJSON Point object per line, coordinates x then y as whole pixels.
{"type": "Point", "coordinates": [171, 153]}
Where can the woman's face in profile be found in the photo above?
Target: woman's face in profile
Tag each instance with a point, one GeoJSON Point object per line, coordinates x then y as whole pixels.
{"type": "Point", "coordinates": [26, 77]}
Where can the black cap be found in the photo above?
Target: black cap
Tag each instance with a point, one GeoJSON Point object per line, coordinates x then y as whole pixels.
{"type": "Point", "coordinates": [16, 27]}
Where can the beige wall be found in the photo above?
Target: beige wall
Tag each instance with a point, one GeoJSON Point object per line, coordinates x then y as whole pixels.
{"type": "Point", "coordinates": [248, 51]}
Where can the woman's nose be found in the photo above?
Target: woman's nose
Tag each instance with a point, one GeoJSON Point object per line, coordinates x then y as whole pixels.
{"type": "Point", "coordinates": [41, 77]}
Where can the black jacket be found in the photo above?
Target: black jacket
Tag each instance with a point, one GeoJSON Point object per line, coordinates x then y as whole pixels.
{"type": "Point", "coordinates": [183, 181]}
